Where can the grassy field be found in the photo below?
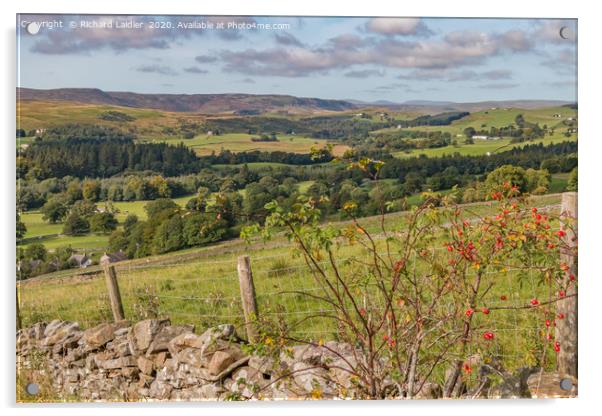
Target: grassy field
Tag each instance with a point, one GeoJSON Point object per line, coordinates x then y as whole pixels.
{"type": "Point", "coordinates": [241, 142]}
{"type": "Point", "coordinates": [493, 118]}
{"type": "Point", "coordinates": [44, 114]}
{"type": "Point", "coordinates": [200, 286]}
{"type": "Point", "coordinates": [40, 231]}
{"type": "Point", "coordinates": [481, 147]}
{"type": "Point", "coordinates": [559, 182]}
{"type": "Point", "coordinates": [501, 117]}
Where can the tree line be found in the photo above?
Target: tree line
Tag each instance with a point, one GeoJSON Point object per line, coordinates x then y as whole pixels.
{"type": "Point", "coordinates": [97, 157]}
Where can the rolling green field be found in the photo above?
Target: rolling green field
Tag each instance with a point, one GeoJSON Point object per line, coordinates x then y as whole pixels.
{"type": "Point", "coordinates": [241, 142]}
{"type": "Point", "coordinates": [486, 119]}
{"type": "Point", "coordinates": [40, 231]}
{"type": "Point", "coordinates": [481, 147]}
{"type": "Point", "coordinates": [500, 117]}
{"type": "Point", "coordinates": [200, 286]}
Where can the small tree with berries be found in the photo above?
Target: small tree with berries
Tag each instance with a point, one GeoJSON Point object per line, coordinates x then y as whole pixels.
{"type": "Point", "coordinates": [424, 294]}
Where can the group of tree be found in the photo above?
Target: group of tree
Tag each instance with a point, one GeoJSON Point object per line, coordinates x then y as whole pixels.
{"type": "Point", "coordinates": [265, 138]}
{"type": "Point", "coordinates": [533, 156]}
{"type": "Point", "coordinates": [98, 151]}
{"type": "Point", "coordinates": [169, 227]}
{"type": "Point", "coordinates": [527, 181]}
{"type": "Point", "coordinates": [142, 186]}
{"type": "Point", "coordinates": [227, 157]}
{"type": "Point", "coordinates": [80, 217]}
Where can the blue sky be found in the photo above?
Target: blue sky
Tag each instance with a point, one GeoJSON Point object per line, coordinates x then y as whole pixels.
{"type": "Point", "coordinates": [370, 59]}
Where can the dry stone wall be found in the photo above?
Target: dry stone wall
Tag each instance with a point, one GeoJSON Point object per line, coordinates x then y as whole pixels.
{"type": "Point", "coordinates": [154, 360]}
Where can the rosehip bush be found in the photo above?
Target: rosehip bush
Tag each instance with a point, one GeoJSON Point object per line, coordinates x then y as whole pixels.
{"type": "Point", "coordinates": [424, 294]}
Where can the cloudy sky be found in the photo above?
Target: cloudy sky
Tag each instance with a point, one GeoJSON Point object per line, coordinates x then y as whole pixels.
{"type": "Point", "coordinates": [370, 59]}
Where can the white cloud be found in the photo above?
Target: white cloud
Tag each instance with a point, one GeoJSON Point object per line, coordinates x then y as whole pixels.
{"type": "Point", "coordinates": [398, 26]}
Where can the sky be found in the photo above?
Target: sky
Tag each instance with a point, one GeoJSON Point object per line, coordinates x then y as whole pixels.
{"type": "Point", "coordinates": [368, 59]}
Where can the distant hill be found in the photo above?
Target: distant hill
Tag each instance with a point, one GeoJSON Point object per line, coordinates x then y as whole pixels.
{"type": "Point", "coordinates": [426, 106]}
{"type": "Point", "coordinates": [202, 103]}
{"type": "Point", "coordinates": [250, 104]}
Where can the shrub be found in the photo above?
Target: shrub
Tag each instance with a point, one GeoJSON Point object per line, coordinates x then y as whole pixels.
{"type": "Point", "coordinates": [417, 302]}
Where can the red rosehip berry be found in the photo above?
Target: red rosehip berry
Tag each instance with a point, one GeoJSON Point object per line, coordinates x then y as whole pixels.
{"type": "Point", "coordinates": [534, 209]}
{"type": "Point", "coordinates": [560, 316]}
{"type": "Point", "coordinates": [557, 346]}
{"type": "Point", "coordinates": [469, 312]}
{"type": "Point", "coordinates": [450, 248]}
{"type": "Point", "coordinates": [560, 233]}
{"type": "Point", "coordinates": [485, 311]}
{"type": "Point", "coordinates": [548, 323]}
{"type": "Point", "coordinates": [488, 336]}
{"type": "Point", "coordinates": [572, 277]}
{"type": "Point", "coordinates": [503, 297]}
{"type": "Point", "coordinates": [467, 368]}
{"type": "Point", "coordinates": [534, 302]}
{"type": "Point", "coordinates": [561, 293]}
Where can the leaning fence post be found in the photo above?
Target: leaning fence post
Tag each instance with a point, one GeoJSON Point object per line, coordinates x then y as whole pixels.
{"type": "Point", "coordinates": [247, 294]}
{"type": "Point", "coordinates": [566, 328]}
{"type": "Point", "coordinates": [114, 295]}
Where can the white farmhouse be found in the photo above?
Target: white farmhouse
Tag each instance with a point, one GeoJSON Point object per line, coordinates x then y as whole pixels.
{"type": "Point", "coordinates": [485, 137]}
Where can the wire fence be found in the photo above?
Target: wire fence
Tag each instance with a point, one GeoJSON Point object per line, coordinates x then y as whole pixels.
{"type": "Point", "coordinates": [206, 293]}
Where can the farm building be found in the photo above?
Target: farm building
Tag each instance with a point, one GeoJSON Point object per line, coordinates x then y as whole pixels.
{"type": "Point", "coordinates": [80, 260]}
{"type": "Point", "coordinates": [108, 258]}
{"type": "Point", "coordinates": [480, 137]}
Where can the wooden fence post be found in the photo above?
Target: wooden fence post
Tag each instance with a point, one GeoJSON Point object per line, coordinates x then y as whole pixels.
{"type": "Point", "coordinates": [114, 295]}
{"type": "Point", "coordinates": [247, 294]}
{"type": "Point", "coordinates": [566, 329]}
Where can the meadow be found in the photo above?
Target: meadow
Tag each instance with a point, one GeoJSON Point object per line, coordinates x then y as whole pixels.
{"type": "Point", "coordinates": [481, 147]}
{"type": "Point", "coordinates": [205, 144]}
{"type": "Point", "coordinates": [498, 117]}
{"type": "Point", "coordinates": [51, 236]}
{"type": "Point", "coordinates": [200, 286]}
